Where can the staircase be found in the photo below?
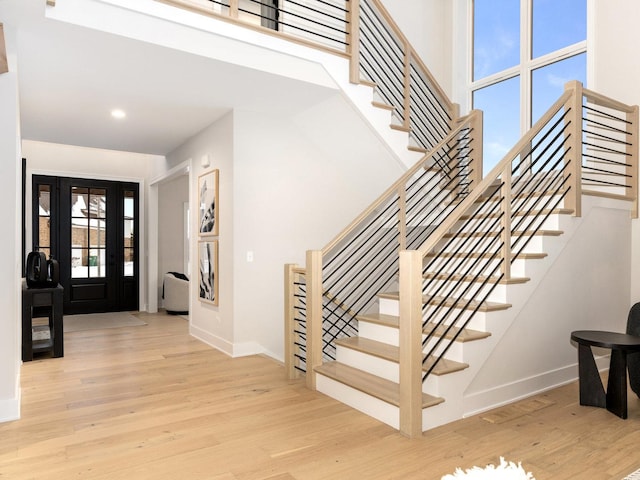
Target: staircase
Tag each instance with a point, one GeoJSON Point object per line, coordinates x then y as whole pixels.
{"type": "Point", "coordinates": [366, 372]}
{"type": "Point", "coordinates": [470, 258]}
{"type": "Point", "coordinates": [398, 314]}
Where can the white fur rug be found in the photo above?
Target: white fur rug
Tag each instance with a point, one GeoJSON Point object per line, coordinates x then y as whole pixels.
{"type": "Point", "coordinates": [504, 471]}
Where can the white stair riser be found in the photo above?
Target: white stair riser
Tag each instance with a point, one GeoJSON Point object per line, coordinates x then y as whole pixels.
{"type": "Point", "coordinates": [455, 352]}
{"type": "Point", "coordinates": [533, 244]}
{"type": "Point", "coordinates": [368, 363]}
{"type": "Point", "coordinates": [467, 289]}
{"type": "Point", "coordinates": [466, 266]}
{"type": "Point", "coordinates": [389, 306]}
{"type": "Point", "coordinates": [382, 411]}
{"type": "Point", "coordinates": [379, 333]}
{"type": "Point", "coordinates": [441, 414]}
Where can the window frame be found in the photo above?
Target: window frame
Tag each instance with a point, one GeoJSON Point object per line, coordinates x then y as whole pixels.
{"type": "Point", "coordinates": [527, 64]}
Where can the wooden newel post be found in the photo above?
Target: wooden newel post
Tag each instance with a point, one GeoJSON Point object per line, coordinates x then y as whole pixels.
{"type": "Point", "coordinates": [475, 145]}
{"type": "Point", "coordinates": [289, 322]}
{"type": "Point", "coordinates": [411, 343]}
{"type": "Point", "coordinates": [574, 199]}
{"type": "Point", "coordinates": [353, 40]}
{"type": "Point", "coordinates": [314, 315]}
{"type": "Point", "coordinates": [633, 150]}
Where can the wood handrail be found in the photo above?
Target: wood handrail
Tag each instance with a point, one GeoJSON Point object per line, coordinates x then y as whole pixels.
{"type": "Point", "coordinates": [412, 53]}
{"type": "Point", "coordinates": [605, 101]}
{"type": "Point", "coordinates": [398, 185]}
{"type": "Point", "coordinates": [4, 63]}
{"type": "Point", "coordinates": [202, 9]}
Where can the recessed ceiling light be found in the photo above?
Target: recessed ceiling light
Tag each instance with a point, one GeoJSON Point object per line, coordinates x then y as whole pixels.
{"type": "Point", "coordinates": [117, 113]}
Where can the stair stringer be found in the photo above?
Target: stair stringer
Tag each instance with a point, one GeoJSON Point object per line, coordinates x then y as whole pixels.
{"type": "Point", "coordinates": [475, 399]}
{"type": "Point", "coordinates": [454, 387]}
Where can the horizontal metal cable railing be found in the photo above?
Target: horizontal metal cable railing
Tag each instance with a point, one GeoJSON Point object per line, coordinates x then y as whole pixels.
{"type": "Point", "coordinates": [295, 320]}
{"type": "Point", "coordinates": [483, 240]}
{"type": "Point", "coordinates": [607, 146]}
{"type": "Point", "coordinates": [387, 59]}
{"type": "Point", "coordinates": [363, 260]}
{"type": "Point", "coordinates": [318, 23]}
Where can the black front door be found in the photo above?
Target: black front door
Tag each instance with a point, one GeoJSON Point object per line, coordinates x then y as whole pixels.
{"type": "Point", "coordinates": [92, 234]}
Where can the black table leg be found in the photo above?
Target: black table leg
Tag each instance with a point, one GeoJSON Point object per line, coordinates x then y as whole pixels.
{"type": "Point", "coordinates": [591, 388]}
{"type": "Point", "coordinates": [617, 384]}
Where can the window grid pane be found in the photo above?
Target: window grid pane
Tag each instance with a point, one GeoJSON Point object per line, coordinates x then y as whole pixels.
{"type": "Point", "coordinates": [557, 24]}
{"type": "Point", "coordinates": [88, 232]}
{"type": "Point", "coordinates": [496, 36]}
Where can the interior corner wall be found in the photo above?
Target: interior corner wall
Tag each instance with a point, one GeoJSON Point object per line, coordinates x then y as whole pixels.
{"type": "Point", "coordinates": [10, 240]}
{"type": "Point", "coordinates": [427, 24]}
{"type": "Point", "coordinates": [617, 74]}
{"type": "Point", "coordinates": [210, 323]}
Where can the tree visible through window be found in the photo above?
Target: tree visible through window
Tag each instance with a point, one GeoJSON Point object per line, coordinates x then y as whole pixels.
{"type": "Point", "coordinates": [523, 54]}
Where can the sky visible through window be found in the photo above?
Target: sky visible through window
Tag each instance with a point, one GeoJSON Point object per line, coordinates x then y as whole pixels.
{"type": "Point", "coordinates": [556, 24]}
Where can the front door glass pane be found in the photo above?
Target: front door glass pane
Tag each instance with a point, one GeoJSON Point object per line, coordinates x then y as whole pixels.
{"type": "Point", "coordinates": [88, 232]}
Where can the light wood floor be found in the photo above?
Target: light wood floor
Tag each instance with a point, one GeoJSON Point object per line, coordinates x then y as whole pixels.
{"type": "Point", "coordinates": [153, 403]}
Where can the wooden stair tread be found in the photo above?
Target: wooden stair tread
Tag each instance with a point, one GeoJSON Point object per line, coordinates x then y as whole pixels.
{"type": "Point", "coordinates": [464, 335]}
{"type": "Point", "coordinates": [524, 255]}
{"type": "Point", "coordinates": [542, 233]}
{"type": "Point", "coordinates": [400, 128]}
{"type": "Point", "coordinates": [449, 301]}
{"type": "Point", "coordinates": [415, 148]}
{"type": "Point", "coordinates": [532, 213]}
{"type": "Point", "coordinates": [373, 385]}
{"type": "Point", "coordinates": [381, 319]}
{"type": "Point", "coordinates": [392, 354]}
{"type": "Point", "coordinates": [384, 106]}
{"type": "Point", "coordinates": [475, 278]}
{"type": "Point", "coordinates": [473, 304]}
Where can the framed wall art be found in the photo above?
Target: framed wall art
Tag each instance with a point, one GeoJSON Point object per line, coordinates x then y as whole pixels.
{"type": "Point", "coordinates": [208, 203]}
{"type": "Point", "coordinates": [208, 271]}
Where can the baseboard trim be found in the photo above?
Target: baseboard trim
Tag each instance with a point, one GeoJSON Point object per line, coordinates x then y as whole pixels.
{"type": "Point", "coordinates": [212, 340]}
{"type": "Point", "coordinates": [10, 407]}
{"type": "Point", "coordinates": [501, 395]}
{"type": "Point", "coordinates": [234, 350]}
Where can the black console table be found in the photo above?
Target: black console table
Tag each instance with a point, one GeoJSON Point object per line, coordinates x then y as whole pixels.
{"type": "Point", "coordinates": [49, 299]}
{"type": "Point", "coordinates": [592, 391]}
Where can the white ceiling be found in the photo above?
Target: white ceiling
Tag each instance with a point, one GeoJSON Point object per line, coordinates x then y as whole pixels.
{"type": "Point", "coordinates": [71, 77]}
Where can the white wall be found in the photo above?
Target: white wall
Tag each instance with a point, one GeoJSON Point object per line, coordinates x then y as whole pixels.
{"type": "Point", "coordinates": [288, 183]}
{"type": "Point", "coordinates": [298, 182]}
{"type": "Point", "coordinates": [172, 196]}
{"type": "Point", "coordinates": [10, 240]}
{"type": "Point", "coordinates": [212, 324]}
{"type": "Point", "coordinates": [426, 24]}
{"type": "Point", "coordinates": [617, 74]}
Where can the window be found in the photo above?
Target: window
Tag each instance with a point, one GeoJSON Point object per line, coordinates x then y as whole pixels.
{"type": "Point", "coordinates": [523, 54]}
{"type": "Point", "coordinates": [88, 232]}
{"type": "Point", "coordinates": [43, 235]}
